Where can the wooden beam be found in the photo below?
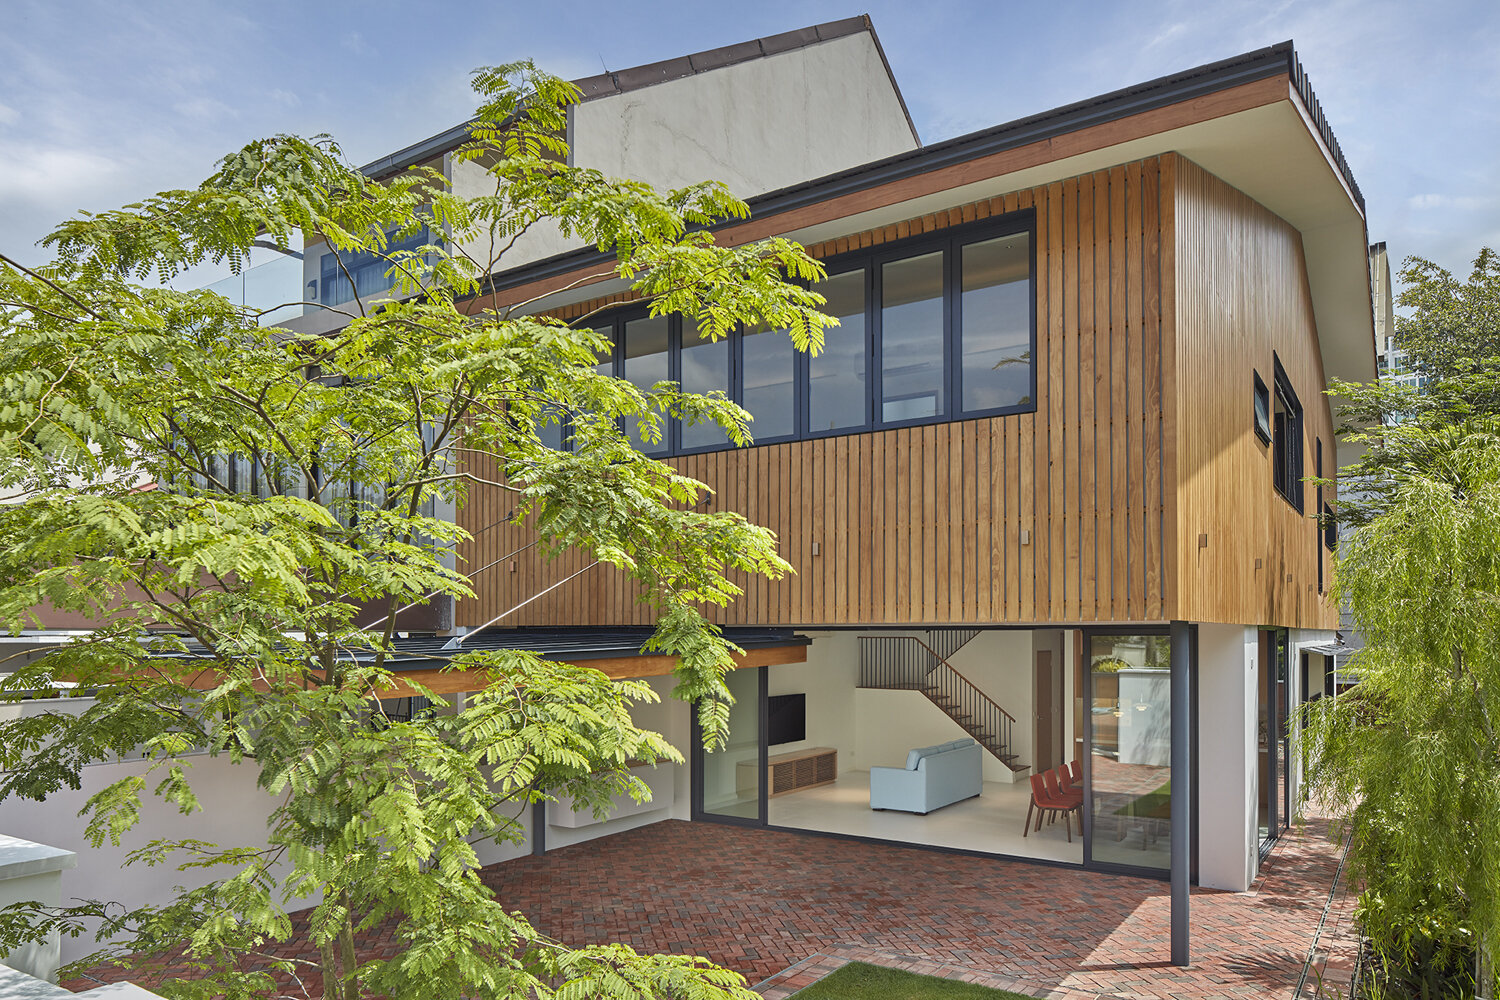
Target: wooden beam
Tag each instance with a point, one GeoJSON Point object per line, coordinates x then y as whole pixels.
{"type": "Point", "coordinates": [614, 667]}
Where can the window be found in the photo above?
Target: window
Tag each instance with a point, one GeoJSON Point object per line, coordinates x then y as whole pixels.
{"type": "Point", "coordinates": [837, 384]}
{"type": "Point", "coordinates": [645, 361]}
{"type": "Point", "coordinates": [938, 328]}
{"type": "Point", "coordinates": [366, 271]}
{"type": "Point", "coordinates": [912, 362]}
{"type": "Point", "coordinates": [705, 369]}
{"type": "Point", "coordinates": [1286, 439]}
{"type": "Point", "coordinates": [995, 323]}
{"type": "Point", "coordinates": [1330, 528]}
{"type": "Point", "coordinates": [1262, 409]}
{"type": "Point", "coordinates": [769, 370]}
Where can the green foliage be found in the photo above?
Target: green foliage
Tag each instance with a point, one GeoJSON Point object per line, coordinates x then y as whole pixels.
{"type": "Point", "coordinates": [1412, 755]}
{"type": "Point", "coordinates": [1451, 329]}
{"type": "Point", "coordinates": [239, 623]}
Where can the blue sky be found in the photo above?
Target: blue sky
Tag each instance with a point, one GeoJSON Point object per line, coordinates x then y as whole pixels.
{"type": "Point", "coordinates": [102, 103]}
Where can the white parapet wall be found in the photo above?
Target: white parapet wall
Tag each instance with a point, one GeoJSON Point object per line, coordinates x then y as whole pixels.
{"type": "Point", "coordinates": [32, 873]}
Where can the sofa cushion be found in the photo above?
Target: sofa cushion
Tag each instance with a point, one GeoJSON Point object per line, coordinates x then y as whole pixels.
{"type": "Point", "coordinates": [914, 757]}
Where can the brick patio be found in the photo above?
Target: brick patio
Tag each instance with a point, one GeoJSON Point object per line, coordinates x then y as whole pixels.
{"type": "Point", "coordinates": [785, 909]}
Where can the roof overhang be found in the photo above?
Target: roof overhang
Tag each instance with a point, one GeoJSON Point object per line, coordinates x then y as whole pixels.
{"type": "Point", "coordinates": [425, 661]}
{"type": "Point", "coordinates": [1251, 121]}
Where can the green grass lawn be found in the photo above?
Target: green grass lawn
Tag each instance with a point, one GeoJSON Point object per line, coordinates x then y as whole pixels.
{"type": "Point", "coordinates": [858, 981]}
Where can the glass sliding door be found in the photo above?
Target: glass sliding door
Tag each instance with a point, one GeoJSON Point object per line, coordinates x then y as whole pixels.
{"type": "Point", "coordinates": [1129, 800]}
{"type": "Point", "coordinates": [731, 778]}
{"type": "Point", "coordinates": [1273, 737]}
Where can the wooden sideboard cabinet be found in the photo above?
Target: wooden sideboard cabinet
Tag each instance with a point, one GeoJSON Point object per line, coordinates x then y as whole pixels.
{"type": "Point", "coordinates": [790, 772]}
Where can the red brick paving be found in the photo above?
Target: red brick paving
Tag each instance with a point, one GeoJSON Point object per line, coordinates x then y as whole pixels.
{"type": "Point", "coordinates": [786, 908]}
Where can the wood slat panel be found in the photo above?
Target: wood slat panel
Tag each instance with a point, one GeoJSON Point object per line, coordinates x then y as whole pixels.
{"type": "Point", "coordinates": [1241, 294]}
{"type": "Point", "coordinates": [924, 525]}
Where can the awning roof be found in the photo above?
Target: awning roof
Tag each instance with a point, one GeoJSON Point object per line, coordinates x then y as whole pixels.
{"type": "Point", "coordinates": [424, 660]}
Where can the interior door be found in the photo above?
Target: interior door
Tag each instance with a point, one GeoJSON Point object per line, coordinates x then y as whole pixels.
{"type": "Point", "coordinates": [1045, 729]}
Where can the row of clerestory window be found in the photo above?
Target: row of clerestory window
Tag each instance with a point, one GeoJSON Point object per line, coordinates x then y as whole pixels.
{"type": "Point", "coordinates": [934, 329]}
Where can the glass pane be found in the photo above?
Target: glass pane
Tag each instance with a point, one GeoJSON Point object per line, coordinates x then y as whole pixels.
{"type": "Point", "coordinates": [838, 384]}
{"type": "Point", "coordinates": [549, 429]}
{"type": "Point", "coordinates": [1265, 755]}
{"type": "Point", "coordinates": [705, 367]}
{"type": "Point", "coordinates": [731, 775]}
{"type": "Point", "coordinates": [911, 338]}
{"type": "Point", "coordinates": [1132, 750]}
{"type": "Point", "coordinates": [770, 363]}
{"type": "Point", "coordinates": [645, 364]}
{"type": "Point", "coordinates": [995, 341]}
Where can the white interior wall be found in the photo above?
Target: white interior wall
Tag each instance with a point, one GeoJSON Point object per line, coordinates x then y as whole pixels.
{"type": "Point", "coordinates": [1228, 765]}
{"type": "Point", "coordinates": [872, 727]}
{"type": "Point", "coordinates": [828, 679]}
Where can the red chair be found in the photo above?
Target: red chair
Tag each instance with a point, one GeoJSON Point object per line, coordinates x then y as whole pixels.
{"type": "Point", "coordinates": [1065, 800]}
{"type": "Point", "coordinates": [1043, 804]}
{"type": "Point", "coordinates": [1077, 768]}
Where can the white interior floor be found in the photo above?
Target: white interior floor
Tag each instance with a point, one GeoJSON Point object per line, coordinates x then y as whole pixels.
{"type": "Point", "coordinates": [990, 822]}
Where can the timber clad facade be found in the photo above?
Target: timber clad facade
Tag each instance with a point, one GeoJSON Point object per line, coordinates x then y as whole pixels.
{"type": "Point", "coordinates": [1056, 512]}
{"type": "Point", "coordinates": [1159, 289]}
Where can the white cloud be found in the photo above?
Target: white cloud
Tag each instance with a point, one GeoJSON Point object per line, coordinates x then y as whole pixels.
{"type": "Point", "coordinates": [41, 174]}
{"type": "Point", "coordinates": [1438, 202]}
{"type": "Point", "coordinates": [205, 109]}
{"type": "Point", "coordinates": [9, 115]}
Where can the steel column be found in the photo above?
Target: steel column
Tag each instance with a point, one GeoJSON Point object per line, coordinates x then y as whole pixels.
{"type": "Point", "coordinates": [1182, 764]}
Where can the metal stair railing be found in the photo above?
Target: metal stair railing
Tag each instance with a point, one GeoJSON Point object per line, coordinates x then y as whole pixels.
{"type": "Point", "coordinates": [908, 664]}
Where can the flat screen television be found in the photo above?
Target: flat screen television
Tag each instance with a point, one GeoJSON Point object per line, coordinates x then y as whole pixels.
{"type": "Point", "coordinates": [786, 718]}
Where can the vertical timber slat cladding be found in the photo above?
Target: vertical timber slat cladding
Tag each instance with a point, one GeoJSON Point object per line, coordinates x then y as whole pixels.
{"type": "Point", "coordinates": [1065, 388]}
{"type": "Point", "coordinates": [1118, 413]}
{"type": "Point", "coordinates": [1087, 427]}
{"type": "Point", "coordinates": [1135, 501]}
{"type": "Point", "coordinates": [1103, 429]}
{"type": "Point", "coordinates": [1241, 294]}
{"type": "Point", "coordinates": [1155, 285]}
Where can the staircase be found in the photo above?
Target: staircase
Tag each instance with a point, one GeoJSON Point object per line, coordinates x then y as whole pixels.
{"type": "Point", "coordinates": [903, 663]}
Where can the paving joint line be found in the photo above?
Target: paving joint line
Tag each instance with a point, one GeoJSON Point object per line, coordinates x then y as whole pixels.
{"type": "Point", "coordinates": [1312, 949]}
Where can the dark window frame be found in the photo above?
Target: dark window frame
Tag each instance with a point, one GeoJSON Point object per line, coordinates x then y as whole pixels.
{"type": "Point", "coordinates": [1261, 408]}
{"type": "Point", "coordinates": [948, 241]}
{"type": "Point", "coordinates": [1287, 460]}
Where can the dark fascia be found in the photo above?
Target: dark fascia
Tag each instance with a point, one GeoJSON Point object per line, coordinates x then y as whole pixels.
{"type": "Point", "coordinates": [421, 652]}
{"type": "Point", "coordinates": [1211, 78]}
{"type": "Point", "coordinates": [637, 77]}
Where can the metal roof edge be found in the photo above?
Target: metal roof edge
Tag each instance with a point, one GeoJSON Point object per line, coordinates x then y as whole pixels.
{"type": "Point", "coordinates": [633, 78]}
{"type": "Point", "coordinates": [1176, 88]}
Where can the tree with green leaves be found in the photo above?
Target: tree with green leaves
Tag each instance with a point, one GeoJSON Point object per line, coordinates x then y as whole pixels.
{"type": "Point", "coordinates": [1411, 757]}
{"type": "Point", "coordinates": [230, 611]}
{"type": "Point", "coordinates": [1451, 329]}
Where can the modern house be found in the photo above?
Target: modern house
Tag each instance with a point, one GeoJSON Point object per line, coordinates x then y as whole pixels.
{"type": "Point", "coordinates": [1045, 489]}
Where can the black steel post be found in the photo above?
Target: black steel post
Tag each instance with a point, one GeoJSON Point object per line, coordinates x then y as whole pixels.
{"type": "Point", "coordinates": [1182, 763]}
{"type": "Point", "coordinates": [538, 828]}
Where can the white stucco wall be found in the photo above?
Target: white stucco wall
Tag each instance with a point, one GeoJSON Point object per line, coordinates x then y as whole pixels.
{"type": "Point", "coordinates": [1228, 765]}
{"type": "Point", "coordinates": [757, 126]}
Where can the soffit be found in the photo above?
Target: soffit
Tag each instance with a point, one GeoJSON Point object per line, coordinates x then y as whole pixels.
{"type": "Point", "coordinates": [1270, 154]}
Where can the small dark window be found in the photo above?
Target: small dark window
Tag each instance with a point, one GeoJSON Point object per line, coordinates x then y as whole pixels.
{"type": "Point", "coordinates": [1330, 529]}
{"type": "Point", "coordinates": [1286, 439]}
{"type": "Point", "coordinates": [1262, 409]}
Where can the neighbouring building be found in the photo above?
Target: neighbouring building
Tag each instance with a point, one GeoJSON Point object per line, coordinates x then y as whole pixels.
{"type": "Point", "coordinates": [1043, 490]}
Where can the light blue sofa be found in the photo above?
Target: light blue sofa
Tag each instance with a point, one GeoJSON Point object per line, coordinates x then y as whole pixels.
{"type": "Point", "coordinates": [932, 778]}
